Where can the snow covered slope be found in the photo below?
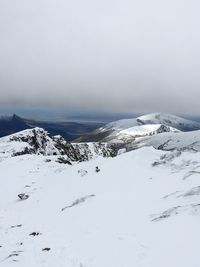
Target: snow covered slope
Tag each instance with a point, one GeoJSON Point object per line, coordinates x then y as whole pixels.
{"type": "Point", "coordinates": [141, 209]}
{"type": "Point", "coordinates": [154, 118]}
{"type": "Point", "coordinates": [135, 132]}
{"type": "Point", "coordinates": [38, 141]}
{"type": "Point", "coordinates": [144, 125]}
{"type": "Point", "coordinates": [172, 141]}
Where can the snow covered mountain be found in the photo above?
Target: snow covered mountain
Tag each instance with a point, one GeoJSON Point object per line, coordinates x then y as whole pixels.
{"type": "Point", "coordinates": [81, 205]}
{"type": "Point", "coordinates": [140, 209]}
{"type": "Point", "coordinates": [155, 118]}
{"type": "Point", "coordinates": [37, 141]}
{"type": "Point", "coordinates": [127, 130]}
{"type": "Point", "coordinates": [12, 124]}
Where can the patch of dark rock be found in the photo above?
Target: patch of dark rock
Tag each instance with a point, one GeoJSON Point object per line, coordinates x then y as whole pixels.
{"type": "Point", "coordinates": [156, 163]}
{"type": "Point", "coordinates": [63, 161]}
{"type": "Point", "coordinates": [97, 169]}
{"type": "Point", "coordinates": [23, 152]}
{"type": "Point", "coordinates": [46, 249]}
{"type": "Point", "coordinates": [35, 234]}
{"type": "Point", "coordinates": [15, 226]}
{"type": "Point", "coordinates": [48, 160]}
{"type": "Point", "coordinates": [164, 145]}
{"type": "Point", "coordinates": [78, 201]}
{"type": "Point", "coordinates": [12, 255]}
{"type": "Point", "coordinates": [19, 244]}
{"type": "Point", "coordinates": [23, 196]}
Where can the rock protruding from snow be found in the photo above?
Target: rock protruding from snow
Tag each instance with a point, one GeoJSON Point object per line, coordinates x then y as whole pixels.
{"type": "Point", "coordinates": [38, 141]}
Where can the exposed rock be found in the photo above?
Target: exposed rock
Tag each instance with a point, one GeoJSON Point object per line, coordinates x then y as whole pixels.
{"type": "Point", "coordinates": [38, 141]}
{"type": "Point", "coordinates": [78, 201]}
{"type": "Point", "coordinates": [35, 233]}
{"type": "Point", "coordinates": [23, 196]}
{"type": "Point", "coordinates": [46, 249]}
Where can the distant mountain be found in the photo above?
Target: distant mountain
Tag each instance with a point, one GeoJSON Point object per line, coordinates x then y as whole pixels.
{"type": "Point", "coordinates": [69, 130]}
{"type": "Point", "coordinates": [12, 124]}
{"type": "Point", "coordinates": [150, 124]}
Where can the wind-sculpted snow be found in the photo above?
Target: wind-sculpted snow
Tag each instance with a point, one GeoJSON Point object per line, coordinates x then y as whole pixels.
{"type": "Point", "coordinates": [131, 212]}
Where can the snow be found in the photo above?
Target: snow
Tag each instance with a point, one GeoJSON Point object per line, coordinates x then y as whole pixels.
{"type": "Point", "coordinates": [154, 118]}
{"type": "Point", "coordinates": [148, 129]}
{"type": "Point", "coordinates": [145, 125]}
{"type": "Point", "coordinates": [134, 212]}
{"type": "Point", "coordinates": [38, 141]}
{"type": "Point", "coordinates": [170, 141]}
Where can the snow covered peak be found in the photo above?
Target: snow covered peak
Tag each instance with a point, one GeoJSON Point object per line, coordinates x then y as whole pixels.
{"type": "Point", "coordinates": [169, 120]}
{"type": "Point", "coordinates": [154, 118]}
{"type": "Point", "coordinates": [38, 141]}
{"type": "Point", "coordinates": [30, 141]}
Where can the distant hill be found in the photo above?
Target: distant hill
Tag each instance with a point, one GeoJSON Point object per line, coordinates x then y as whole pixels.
{"type": "Point", "coordinates": [69, 130]}
{"type": "Point", "coordinates": [129, 129]}
{"type": "Point", "coordinates": [12, 124]}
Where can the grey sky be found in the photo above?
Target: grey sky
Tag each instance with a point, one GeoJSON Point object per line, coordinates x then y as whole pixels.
{"type": "Point", "coordinates": [108, 55]}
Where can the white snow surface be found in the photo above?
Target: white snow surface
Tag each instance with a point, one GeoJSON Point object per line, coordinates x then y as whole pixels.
{"type": "Point", "coordinates": [154, 118]}
{"type": "Point", "coordinates": [142, 209]}
{"type": "Point", "coordinates": [149, 129]}
{"type": "Point", "coordinates": [172, 141]}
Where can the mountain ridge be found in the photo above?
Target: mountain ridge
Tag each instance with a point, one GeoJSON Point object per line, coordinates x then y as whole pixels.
{"type": "Point", "coordinates": [112, 130]}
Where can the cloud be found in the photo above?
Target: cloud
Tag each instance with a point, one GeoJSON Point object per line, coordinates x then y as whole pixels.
{"type": "Point", "coordinates": [138, 56]}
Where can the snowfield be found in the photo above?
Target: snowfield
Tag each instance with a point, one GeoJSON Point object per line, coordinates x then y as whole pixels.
{"type": "Point", "coordinates": [141, 209]}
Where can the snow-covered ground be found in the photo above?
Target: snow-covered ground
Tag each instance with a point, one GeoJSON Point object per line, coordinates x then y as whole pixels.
{"type": "Point", "coordinates": [141, 209]}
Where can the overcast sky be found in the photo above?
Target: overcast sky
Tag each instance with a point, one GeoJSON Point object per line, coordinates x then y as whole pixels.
{"type": "Point", "coordinates": [105, 55]}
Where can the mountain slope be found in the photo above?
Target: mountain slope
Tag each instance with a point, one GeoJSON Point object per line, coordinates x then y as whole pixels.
{"type": "Point", "coordinates": [114, 130]}
{"type": "Point", "coordinates": [38, 141]}
{"type": "Point", "coordinates": [13, 124]}
{"type": "Point", "coordinates": [137, 211]}
{"type": "Point", "coordinates": [172, 141]}
{"type": "Point", "coordinates": [155, 118]}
